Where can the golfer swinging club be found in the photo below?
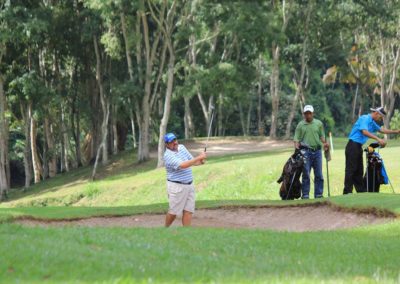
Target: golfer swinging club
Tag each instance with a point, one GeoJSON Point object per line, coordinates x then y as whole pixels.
{"type": "Point", "coordinates": [365, 127]}
{"type": "Point", "coordinates": [181, 195]}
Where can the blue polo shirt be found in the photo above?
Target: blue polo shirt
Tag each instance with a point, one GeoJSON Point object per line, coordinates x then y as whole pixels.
{"type": "Point", "coordinates": [364, 122]}
{"type": "Point", "coordinates": [172, 162]}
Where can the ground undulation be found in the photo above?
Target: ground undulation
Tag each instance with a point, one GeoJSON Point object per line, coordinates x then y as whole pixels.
{"type": "Point", "coordinates": [294, 218]}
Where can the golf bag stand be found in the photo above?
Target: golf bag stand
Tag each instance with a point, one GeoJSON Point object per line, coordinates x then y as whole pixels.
{"type": "Point", "coordinates": [290, 178]}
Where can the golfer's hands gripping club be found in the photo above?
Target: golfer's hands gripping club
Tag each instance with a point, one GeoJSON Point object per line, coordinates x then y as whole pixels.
{"type": "Point", "coordinates": [201, 158]}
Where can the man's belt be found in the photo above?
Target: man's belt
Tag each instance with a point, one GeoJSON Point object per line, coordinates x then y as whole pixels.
{"type": "Point", "coordinates": [180, 182]}
{"type": "Point", "coordinates": [314, 149]}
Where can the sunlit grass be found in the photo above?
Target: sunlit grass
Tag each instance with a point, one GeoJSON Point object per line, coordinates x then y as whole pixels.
{"type": "Point", "coordinates": [241, 176]}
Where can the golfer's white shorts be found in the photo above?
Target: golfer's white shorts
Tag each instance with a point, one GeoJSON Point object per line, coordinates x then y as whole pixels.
{"type": "Point", "coordinates": [181, 197]}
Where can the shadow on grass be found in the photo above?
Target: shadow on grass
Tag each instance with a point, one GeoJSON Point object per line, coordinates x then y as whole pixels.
{"type": "Point", "coordinates": [122, 165]}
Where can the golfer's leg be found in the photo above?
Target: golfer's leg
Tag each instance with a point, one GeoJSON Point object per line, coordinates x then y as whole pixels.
{"type": "Point", "coordinates": [305, 187]}
{"type": "Point", "coordinates": [319, 178]}
{"type": "Point", "coordinates": [176, 198]}
{"type": "Point", "coordinates": [189, 206]}
{"type": "Point", "coordinates": [358, 175]}
{"type": "Point", "coordinates": [169, 219]}
{"type": "Point", "coordinates": [187, 218]}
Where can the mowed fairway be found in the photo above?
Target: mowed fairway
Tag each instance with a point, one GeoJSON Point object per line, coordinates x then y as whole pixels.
{"type": "Point", "coordinates": [184, 255]}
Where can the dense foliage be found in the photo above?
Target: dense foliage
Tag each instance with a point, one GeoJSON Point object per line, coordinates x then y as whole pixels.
{"type": "Point", "coordinates": [83, 79]}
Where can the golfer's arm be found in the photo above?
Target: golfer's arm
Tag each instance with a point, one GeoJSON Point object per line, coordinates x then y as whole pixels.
{"type": "Point", "coordinates": [193, 162]}
{"type": "Point", "coordinates": [370, 135]}
{"type": "Point", "coordinates": [388, 131]}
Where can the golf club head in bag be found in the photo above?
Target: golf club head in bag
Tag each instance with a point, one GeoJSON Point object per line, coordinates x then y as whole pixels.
{"type": "Point", "coordinates": [373, 177]}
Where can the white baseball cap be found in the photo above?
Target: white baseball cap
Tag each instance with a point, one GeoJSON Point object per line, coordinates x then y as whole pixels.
{"type": "Point", "coordinates": [308, 108]}
{"type": "Point", "coordinates": [379, 110]}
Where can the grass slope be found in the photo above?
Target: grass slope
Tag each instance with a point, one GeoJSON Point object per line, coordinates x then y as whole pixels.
{"type": "Point", "coordinates": [181, 255]}
{"type": "Point", "coordinates": [231, 177]}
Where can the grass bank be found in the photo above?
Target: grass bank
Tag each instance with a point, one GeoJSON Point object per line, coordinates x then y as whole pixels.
{"type": "Point", "coordinates": [232, 177]}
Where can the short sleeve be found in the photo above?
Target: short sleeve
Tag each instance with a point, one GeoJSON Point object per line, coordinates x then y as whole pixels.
{"type": "Point", "coordinates": [297, 133]}
{"type": "Point", "coordinates": [363, 123]}
{"type": "Point", "coordinates": [171, 161]}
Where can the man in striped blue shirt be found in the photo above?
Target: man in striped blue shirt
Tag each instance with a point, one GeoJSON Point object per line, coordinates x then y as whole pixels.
{"type": "Point", "coordinates": [181, 194]}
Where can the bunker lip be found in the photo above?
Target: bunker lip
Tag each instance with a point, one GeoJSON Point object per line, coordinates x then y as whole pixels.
{"type": "Point", "coordinates": [296, 218]}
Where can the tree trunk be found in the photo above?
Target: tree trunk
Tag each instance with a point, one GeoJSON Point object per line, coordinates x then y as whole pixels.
{"type": "Point", "coordinates": [37, 167]}
{"type": "Point", "coordinates": [291, 115]}
{"type": "Point", "coordinates": [105, 105]}
{"type": "Point", "coordinates": [150, 52]}
{"type": "Point", "coordinates": [392, 82]}
{"type": "Point", "coordinates": [65, 140]}
{"type": "Point", "coordinates": [249, 117]}
{"type": "Point", "coordinates": [299, 81]}
{"type": "Point", "coordinates": [4, 161]}
{"type": "Point", "coordinates": [52, 158]}
{"type": "Point", "coordinates": [188, 118]}
{"type": "Point", "coordinates": [167, 107]}
{"type": "Point", "coordinates": [114, 130]}
{"type": "Point", "coordinates": [220, 116]}
{"type": "Point", "coordinates": [242, 120]}
{"type": "Point", "coordinates": [274, 89]}
{"type": "Point", "coordinates": [260, 122]}
{"type": "Point", "coordinates": [130, 72]}
{"type": "Point", "coordinates": [353, 112]}
{"type": "Point", "coordinates": [27, 148]}
{"type": "Point", "coordinates": [131, 117]}
{"type": "Point", "coordinates": [75, 117]}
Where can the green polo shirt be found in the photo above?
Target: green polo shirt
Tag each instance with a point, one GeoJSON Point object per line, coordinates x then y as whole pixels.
{"type": "Point", "coordinates": [310, 133]}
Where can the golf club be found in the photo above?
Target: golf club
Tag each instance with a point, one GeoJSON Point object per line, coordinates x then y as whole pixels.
{"type": "Point", "coordinates": [391, 185]}
{"type": "Point", "coordinates": [209, 127]}
{"type": "Point", "coordinates": [327, 154]}
{"type": "Point", "coordinates": [371, 148]}
{"type": "Point", "coordinates": [290, 187]}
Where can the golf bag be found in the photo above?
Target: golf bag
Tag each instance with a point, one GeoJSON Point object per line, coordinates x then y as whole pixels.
{"type": "Point", "coordinates": [291, 186]}
{"type": "Point", "coordinates": [375, 174]}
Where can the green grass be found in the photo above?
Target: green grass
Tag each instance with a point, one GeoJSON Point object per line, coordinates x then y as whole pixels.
{"type": "Point", "coordinates": [237, 177]}
{"type": "Point", "coordinates": [118, 255]}
{"type": "Point", "coordinates": [367, 254]}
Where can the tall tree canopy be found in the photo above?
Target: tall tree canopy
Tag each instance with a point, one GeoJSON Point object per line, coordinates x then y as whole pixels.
{"type": "Point", "coordinates": [81, 80]}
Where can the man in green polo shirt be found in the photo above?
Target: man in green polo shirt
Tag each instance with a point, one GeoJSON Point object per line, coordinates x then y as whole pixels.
{"type": "Point", "coordinates": [310, 132]}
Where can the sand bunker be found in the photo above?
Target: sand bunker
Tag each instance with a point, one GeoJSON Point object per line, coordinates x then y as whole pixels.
{"type": "Point", "coordinates": [298, 219]}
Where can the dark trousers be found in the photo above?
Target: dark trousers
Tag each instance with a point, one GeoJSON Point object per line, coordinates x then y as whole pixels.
{"type": "Point", "coordinates": [354, 168]}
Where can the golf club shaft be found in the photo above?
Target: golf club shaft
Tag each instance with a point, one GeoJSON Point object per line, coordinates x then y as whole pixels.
{"type": "Point", "coordinates": [290, 187]}
{"type": "Point", "coordinates": [209, 130]}
{"type": "Point", "coordinates": [391, 185]}
{"type": "Point", "coordinates": [327, 176]}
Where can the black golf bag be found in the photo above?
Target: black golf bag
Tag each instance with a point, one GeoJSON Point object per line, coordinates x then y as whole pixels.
{"type": "Point", "coordinates": [373, 177]}
{"type": "Point", "coordinates": [290, 178]}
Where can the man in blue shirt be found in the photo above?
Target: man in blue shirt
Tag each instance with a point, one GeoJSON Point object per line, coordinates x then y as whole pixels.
{"type": "Point", "coordinates": [181, 194]}
{"type": "Point", "coordinates": [365, 127]}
